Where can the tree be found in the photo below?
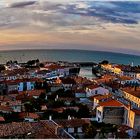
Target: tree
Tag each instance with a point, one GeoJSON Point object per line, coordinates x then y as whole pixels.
{"type": "Point", "coordinates": [41, 65]}
{"type": "Point", "coordinates": [90, 131]}
{"type": "Point", "coordinates": [83, 111]}
{"type": "Point", "coordinates": [28, 107]}
{"type": "Point", "coordinates": [104, 62]}
{"type": "Point", "coordinates": [2, 67]}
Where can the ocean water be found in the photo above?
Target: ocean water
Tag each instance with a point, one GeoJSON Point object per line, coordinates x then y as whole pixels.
{"type": "Point", "coordinates": [68, 55]}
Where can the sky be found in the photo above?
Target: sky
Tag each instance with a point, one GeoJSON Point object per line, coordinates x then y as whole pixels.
{"type": "Point", "coordinates": [70, 24]}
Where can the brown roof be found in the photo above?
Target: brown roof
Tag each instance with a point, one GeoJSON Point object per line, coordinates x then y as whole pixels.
{"type": "Point", "coordinates": [68, 81]}
{"type": "Point", "coordinates": [100, 97]}
{"type": "Point", "coordinates": [32, 92]}
{"type": "Point", "coordinates": [21, 80]}
{"type": "Point", "coordinates": [93, 86]}
{"type": "Point", "coordinates": [23, 115]}
{"type": "Point", "coordinates": [111, 102]}
{"type": "Point", "coordinates": [42, 129]}
{"type": "Point", "coordinates": [5, 98]}
{"type": "Point", "coordinates": [131, 90]}
{"type": "Point", "coordinates": [5, 108]}
{"type": "Point", "coordinates": [72, 122]}
{"type": "Point", "coordinates": [123, 78]}
{"type": "Point", "coordinates": [54, 67]}
{"type": "Point", "coordinates": [14, 72]}
{"type": "Point", "coordinates": [2, 119]}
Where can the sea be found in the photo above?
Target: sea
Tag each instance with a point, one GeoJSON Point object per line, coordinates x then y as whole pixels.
{"type": "Point", "coordinates": [71, 56]}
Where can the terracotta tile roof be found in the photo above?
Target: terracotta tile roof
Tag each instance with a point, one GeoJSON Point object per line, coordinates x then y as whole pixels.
{"type": "Point", "coordinates": [93, 86]}
{"type": "Point", "coordinates": [5, 98]}
{"type": "Point", "coordinates": [32, 92]}
{"type": "Point", "coordinates": [100, 97]}
{"type": "Point", "coordinates": [105, 78]}
{"type": "Point", "coordinates": [37, 130]}
{"type": "Point", "coordinates": [124, 78]}
{"type": "Point", "coordinates": [23, 115]}
{"type": "Point", "coordinates": [59, 110]}
{"type": "Point", "coordinates": [68, 81]}
{"type": "Point", "coordinates": [14, 72]}
{"type": "Point", "coordinates": [22, 80]}
{"type": "Point", "coordinates": [81, 80]}
{"type": "Point", "coordinates": [2, 119]}
{"type": "Point", "coordinates": [131, 90]}
{"type": "Point", "coordinates": [72, 123]}
{"type": "Point", "coordinates": [119, 66]}
{"type": "Point", "coordinates": [111, 102]}
{"type": "Point", "coordinates": [15, 103]}
{"type": "Point", "coordinates": [54, 67]}
{"type": "Point", "coordinates": [6, 108]}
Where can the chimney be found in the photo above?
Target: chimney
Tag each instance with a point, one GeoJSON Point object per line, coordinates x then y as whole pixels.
{"type": "Point", "coordinates": [69, 117]}
{"type": "Point", "coordinates": [56, 98]}
{"type": "Point", "coordinates": [50, 118]}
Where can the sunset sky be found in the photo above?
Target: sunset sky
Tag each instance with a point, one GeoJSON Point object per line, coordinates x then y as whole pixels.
{"type": "Point", "coordinates": [70, 24]}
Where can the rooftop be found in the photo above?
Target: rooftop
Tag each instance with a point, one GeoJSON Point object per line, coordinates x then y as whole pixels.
{"type": "Point", "coordinates": [72, 122]}
{"type": "Point", "coordinates": [42, 129]}
{"type": "Point", "coordinates": [5, 108]}
{"type": "Point", "coordinates": [137, 112]}
{"type": "Point", "coordinates": [100, 97]}
{"type": "Point", "coordinates": [23, 115]}
{"type": "Point", "coordinates": [93, 86]}
{"type": "Point", "coordinates": [32, 92]}
{"type": "Point", "coordinates": [111, 103]}
{"type": "Point", "coordinates": [132, 91]}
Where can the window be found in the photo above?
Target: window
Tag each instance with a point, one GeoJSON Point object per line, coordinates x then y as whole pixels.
{"type": "Point", "coordinates": [99, 112]}
{"type": "Point", "coordinates": [96, 91]}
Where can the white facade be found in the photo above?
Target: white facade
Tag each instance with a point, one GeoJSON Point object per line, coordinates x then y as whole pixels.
{"type": "Point", "coordinates": [95, 91]}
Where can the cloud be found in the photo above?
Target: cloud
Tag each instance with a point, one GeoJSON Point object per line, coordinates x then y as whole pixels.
{"type": "Point", "coordinates": [83, 23]}
{"type": "Point", "coordinates": [21, 4]}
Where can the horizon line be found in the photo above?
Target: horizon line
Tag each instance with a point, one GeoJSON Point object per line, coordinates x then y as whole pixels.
{"type": "Point", "coordinates": [53, 49]}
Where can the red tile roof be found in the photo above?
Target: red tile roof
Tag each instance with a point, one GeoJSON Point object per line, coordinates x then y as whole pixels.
{"type": "Point", "coordinates": [22, 80]}
{"type": "Point", "coordinates": [72, 122]}
{"type": "Point", "coordinates": [111, 102]}
{"type": "Point", "coordinates": [5, 108]}
{"type": "Point", "coordinates": [2, 119]}
{"type": "Point", "coordinates": [33, 92]}
{"type": "Point", "coordinates": [23, 115]}
{"type": "Point", "coordinates": [132, 91]}
{"type": "Point", "coordinates": [100, 97]}
{"type": "Point", "coordinates": [123, 78]}
{"type": "Point", "coordinates": [68, 81]}
{"type": "Point", "coordinates": [92, 86]}
{"type": "Point", "coordinates": [37, 130]}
